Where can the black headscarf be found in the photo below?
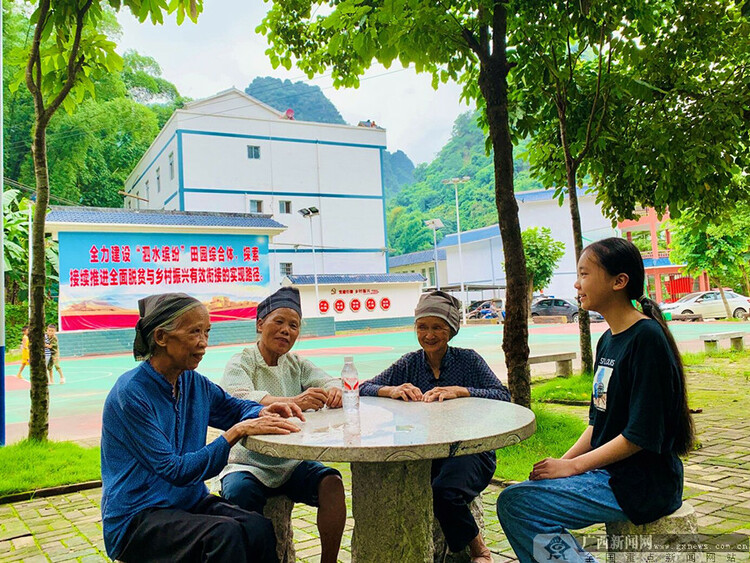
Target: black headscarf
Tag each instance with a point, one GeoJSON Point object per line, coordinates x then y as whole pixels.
{"type": "Point", "coordinates": [283, 298]}
{"type": "Point", "coordinates": [156, 311]}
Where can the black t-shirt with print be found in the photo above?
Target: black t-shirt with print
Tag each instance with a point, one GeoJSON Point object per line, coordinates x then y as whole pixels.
{"type": "Point", "coordinates": [637, 393]}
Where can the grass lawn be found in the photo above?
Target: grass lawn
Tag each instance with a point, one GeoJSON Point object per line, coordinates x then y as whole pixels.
{"type": "Point", "coordinates": [26, 466]}
{"type": "Point", "coordinates": [575, 389]}
{"type": "Point", "coordinates": [555, 433]}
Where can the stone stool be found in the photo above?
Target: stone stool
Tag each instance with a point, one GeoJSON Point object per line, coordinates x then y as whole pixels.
{"type": "Point", "coordinates": [279, 511]}
{"type": "Point", "coordinates": [442, 554]}
{"type": "Point", "coordinates": [680, 527]}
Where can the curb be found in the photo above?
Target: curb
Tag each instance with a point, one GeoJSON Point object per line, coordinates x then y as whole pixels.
{"type": "Point", "coordinates": [50, 492]}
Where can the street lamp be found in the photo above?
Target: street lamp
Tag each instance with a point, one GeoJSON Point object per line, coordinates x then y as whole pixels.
{"type": "Point", "coordinates": [309, 213]}
{"type": "Point", "coordinates": [435, 224]}
{"type": "Point", "coordinates": [456, 182]}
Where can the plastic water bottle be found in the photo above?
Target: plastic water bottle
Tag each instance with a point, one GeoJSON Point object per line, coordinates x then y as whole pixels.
{"type": "Point", "coordinates": [350, 385]}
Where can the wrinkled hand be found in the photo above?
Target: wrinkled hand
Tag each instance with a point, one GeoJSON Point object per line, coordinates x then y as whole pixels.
{"type": "Point", "coordinates": [335, 398]}
{"type": "Point", "coordinates": [552, 468]}
{"type": "Point", "coordinates": [444, 393]}
{"type": "Point", "coordinates": [282, 410]}
{"type": "Point", "coordinates": [312, 398]}
{"type": "Point", "coordinates": [265, 425]}
{"type": "Point", "coordinates": [406, 392]}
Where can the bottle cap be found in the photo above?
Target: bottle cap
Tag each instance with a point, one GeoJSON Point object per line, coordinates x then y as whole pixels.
{"type": "Point", "coordinates": [348, 359]}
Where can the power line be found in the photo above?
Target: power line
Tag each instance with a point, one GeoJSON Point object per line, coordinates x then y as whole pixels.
{"type": "Point", "coordinates": [25, 188]}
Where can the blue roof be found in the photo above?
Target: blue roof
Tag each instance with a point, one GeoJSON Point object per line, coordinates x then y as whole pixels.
{"type": "Point", "coordinates": [118, 216]}
{"type": "Point", "coordinates": [493, 231]}
{"type": "Point", "coordinates": [651, 262]}
{"type": "Point", "coordinates": [415, 258]}
{"type": "Point", "coordinates": [342, 279]}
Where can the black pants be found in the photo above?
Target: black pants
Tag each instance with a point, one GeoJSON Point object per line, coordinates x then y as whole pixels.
{"type": "Point", "coordinates": [456, 481]}
{"type": "Point", "coordinates": [214, 530]}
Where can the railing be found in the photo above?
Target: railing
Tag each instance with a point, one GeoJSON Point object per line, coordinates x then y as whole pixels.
{"type": "Point", "coordinates": [650, 254]}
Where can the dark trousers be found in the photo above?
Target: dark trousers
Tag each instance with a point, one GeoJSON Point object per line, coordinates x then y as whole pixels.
{"type": "Point", "coordinates": [456, 481]}
{"type": "Point", "coordinates": [214, 530]}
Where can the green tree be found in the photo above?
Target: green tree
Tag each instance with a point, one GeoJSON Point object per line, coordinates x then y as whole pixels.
{"type": "Point", "coordinates": [719, 250]}
{"type": "Point", "coordinates": [679, 134]}
{"type": "Point", "coordinates": [543, 254]}
{"type": "Point", "coordinates": [465, 42]}
{"type": "Point", "coordinates": [68, 49]}
{"type": "Point", "coordinates": [563, 85]}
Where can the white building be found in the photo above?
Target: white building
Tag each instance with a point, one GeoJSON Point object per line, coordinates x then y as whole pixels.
{"type": "Point", "coordinates": [232, 153]}
{"type": "Point", "coordinates": [482, 249]}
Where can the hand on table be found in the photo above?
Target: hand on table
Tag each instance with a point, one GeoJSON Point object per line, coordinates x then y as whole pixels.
{"type": "Point", "coordinates": [406, 392]}
{"type": "Point", "coordinates": [444, 393]}
{"type": "Point", "coordinates": [283, 410]}
{"type": "Point", "coordinates": [552, 468]}
{"type": "Point", "coordinates": [312, 398]}
{"type": "Point", "coordinates": [335, 398]}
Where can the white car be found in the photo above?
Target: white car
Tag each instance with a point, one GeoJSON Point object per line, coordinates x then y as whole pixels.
{"type": "Point", "coordinates": [709, 304]}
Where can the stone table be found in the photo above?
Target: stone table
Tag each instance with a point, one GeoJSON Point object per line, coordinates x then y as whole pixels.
{"type": "Point", "coordinates": [390, 445]}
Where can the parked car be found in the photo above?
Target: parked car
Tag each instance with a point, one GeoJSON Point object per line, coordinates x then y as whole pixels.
{"type": "Point", "coordinates": [561, 308]}
{"type": "Point", "coordinates": [709, 304]}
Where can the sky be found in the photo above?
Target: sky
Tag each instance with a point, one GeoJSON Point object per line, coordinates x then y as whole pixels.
{"type": "Point", "coordinates": [223, 50]}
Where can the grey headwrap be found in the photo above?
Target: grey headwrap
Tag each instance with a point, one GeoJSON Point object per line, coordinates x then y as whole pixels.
{"type": "Point", "coordinates": [156, 311]}
{"type": "Point", "coordinates": [283, 298]}
{"type": "Point", "coordinates": [442, 305]}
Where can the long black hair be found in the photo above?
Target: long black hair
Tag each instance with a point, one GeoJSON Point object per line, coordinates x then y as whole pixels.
{"type": "Point", "coordinates": [620, 256]}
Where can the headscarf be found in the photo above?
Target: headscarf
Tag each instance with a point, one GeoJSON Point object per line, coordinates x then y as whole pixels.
{"type": "Point", "coordinates": [156, 311]}
{"type": "Point", "coordinates": [442, 305]}
{"type": "Point", "coordinates": [283, 298]}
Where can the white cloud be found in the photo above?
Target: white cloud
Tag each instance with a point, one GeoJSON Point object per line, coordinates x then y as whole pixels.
{"type": "Point", "coordinates": [222, 50]}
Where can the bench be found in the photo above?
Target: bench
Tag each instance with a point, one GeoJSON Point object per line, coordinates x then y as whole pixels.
{"type": "Point", "coordinates": [549, 319]}
{"type": "Point", "coordinates": [678, 528]}
{"type": "Point", "coordinates": [692, 318]}
{"type": "Point", "coordinates": [711, 341]}
{"type": "Point", "coordinates": [441, 552]}
{"type": "Point", "coordinates": [563, 361]}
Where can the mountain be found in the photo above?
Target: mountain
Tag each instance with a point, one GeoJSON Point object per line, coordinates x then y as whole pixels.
{"type": "Point", "coordinates": [308, 102]}
{"type": "Point", "coordinates": [427, 198]}
{"type": "Point", "coordinates": [398, 171]}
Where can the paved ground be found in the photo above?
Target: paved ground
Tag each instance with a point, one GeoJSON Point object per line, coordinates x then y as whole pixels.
{"type": "Point", "coordinates": [68, 527]}
{"type": "Point", "coordinates": [75, 408]}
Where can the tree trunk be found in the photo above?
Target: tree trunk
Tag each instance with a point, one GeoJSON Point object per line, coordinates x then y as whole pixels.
{"type": "Point", "coordinates": [494, 87]}
{"type": "Point", "coordinates": [530, 294]}
{"type": "Point", "coordinates": [724, 300]}
{"type": "Point", "coordinates": [746, 280]}
{"type": "Point", "coordinates": [571, 170]}
{"type": "Point", "coordinates": [39, 416]}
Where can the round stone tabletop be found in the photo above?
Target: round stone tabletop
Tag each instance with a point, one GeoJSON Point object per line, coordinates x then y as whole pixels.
{"type": "Point", "coordinates": [393, 430]}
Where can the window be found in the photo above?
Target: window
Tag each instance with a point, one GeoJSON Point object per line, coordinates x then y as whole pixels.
{"type": "Point", "coordinates": [158, 180]}
{"type": "Point", "coordinates": [432, 276]}
{"type": "Point", "coordinates": [285, 268]}
{"type": "Point", "coordinates": [285, 207]}
{"type": "Point", "coordinates": [253, 152]}
{"type": "Point", "coordinates": [256, 206]}
{"type": "Point", "coordinates": [148, 190]}
{"type": "Point", "coordinates": [171, 166]}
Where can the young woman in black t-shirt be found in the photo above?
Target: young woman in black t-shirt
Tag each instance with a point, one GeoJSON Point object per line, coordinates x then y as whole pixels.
{"type": "Point", "coordinates": [625, 465]}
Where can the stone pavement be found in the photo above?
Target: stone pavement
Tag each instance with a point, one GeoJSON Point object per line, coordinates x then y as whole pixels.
{"type": "Point", "coordinates": [717, 481]}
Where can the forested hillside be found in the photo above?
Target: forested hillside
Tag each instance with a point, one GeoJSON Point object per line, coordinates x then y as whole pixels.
{"type": "Point", "coordinates": [463, 155]}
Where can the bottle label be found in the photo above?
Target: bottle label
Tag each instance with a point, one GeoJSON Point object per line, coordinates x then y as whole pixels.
{"type": "Point", "coordinates": [350, 384]}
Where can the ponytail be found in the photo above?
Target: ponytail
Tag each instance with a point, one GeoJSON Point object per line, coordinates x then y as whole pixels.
{"type": "Point", "coordinates": [617, 256]}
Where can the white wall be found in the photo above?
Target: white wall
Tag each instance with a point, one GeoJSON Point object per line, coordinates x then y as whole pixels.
{"type": "Point", "coordinates": [403, 298]}
{"type": "Point", "coordinates": [298, 162]}
{"type": "Point", "coordinates": [484, 259]}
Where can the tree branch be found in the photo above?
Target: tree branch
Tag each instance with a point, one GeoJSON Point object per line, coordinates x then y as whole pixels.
{"type": "Point", "coordinates": [35, 58]}
{"type": "Point", "coordinates": [587, 143]}
{"type": "Point", "coordinates": [75, 63]}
